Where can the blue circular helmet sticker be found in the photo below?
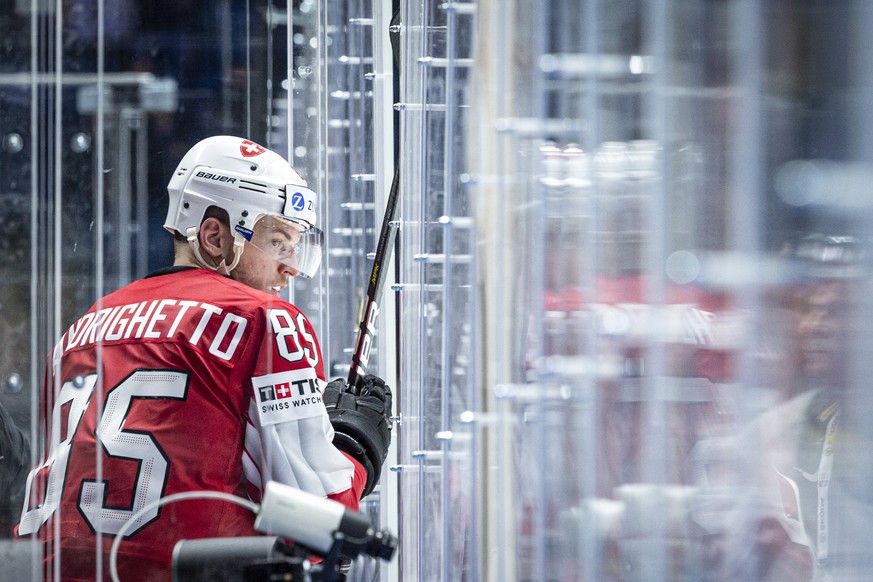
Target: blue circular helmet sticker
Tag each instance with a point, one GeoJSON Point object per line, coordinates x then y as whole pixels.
{"type": "Point", "coordinates": [298, 202]}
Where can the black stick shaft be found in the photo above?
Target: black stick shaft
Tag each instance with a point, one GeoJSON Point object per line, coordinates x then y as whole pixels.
{"type": "Point", "coordinates": [367, 326]}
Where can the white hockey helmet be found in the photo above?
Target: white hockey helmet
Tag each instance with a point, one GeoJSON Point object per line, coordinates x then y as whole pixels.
{"type": "Point", "coordinates": [249, 182]}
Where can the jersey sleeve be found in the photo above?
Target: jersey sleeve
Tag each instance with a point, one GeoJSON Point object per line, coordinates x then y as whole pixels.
{"type": "Point", "coordinates": [352, 496]}
{"type": "Point", "coordinates": [289, 438]}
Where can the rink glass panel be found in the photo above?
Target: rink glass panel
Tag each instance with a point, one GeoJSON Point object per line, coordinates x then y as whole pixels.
{"type": "Point", "coordinates": [671, 221]}
{"type": "Point", "coordinates": [98, 103]}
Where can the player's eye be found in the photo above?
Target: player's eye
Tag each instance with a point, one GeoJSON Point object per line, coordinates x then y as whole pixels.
{"type": "Point", "coordinates": [282, 248]}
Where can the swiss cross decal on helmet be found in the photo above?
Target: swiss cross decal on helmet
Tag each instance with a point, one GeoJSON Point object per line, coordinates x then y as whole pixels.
{"type": "Point", "coordinates": [250, 149]}
{"type": "Point", "coordinates": [250, 182]}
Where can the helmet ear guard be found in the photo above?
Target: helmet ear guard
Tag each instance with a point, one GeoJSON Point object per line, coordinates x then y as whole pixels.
{"type": "Point", "coordinates": [246, 180]}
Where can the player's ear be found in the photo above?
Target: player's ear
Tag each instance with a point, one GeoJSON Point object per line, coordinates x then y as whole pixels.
{"type": "Point", "coordinates": [212, 238]}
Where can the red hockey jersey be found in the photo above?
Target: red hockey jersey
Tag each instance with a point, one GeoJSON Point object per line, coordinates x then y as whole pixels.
{"type": "Point", "coordinates": [184, 381]}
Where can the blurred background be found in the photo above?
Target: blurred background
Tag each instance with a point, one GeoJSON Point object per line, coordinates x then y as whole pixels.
{"type": "Point", "coordinates": [626, 316]}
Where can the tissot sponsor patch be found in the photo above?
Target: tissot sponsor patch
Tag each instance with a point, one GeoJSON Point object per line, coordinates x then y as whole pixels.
{"type": "Point", "coordinates": [288, 396]}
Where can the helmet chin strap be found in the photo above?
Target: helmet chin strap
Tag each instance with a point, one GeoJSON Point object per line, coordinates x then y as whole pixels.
{"type": "Point", "coordinates": [222, 268]}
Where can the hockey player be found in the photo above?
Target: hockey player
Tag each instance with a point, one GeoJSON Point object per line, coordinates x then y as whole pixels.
{"type": "Point", "coordinates": [199, 377]}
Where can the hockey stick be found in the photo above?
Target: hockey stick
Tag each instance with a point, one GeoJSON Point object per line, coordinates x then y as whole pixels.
{"type": "Point", "coordinates": [367, 326]}
{"type": "Point", "coordinates": [370, 311]}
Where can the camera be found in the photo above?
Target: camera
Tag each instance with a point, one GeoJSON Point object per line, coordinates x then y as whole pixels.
{"type": "Point", "coordinates": [300, 525]}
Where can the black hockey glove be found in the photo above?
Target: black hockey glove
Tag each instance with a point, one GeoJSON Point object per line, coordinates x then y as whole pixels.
{"type": "Point", "coordinates": [360, 423]}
